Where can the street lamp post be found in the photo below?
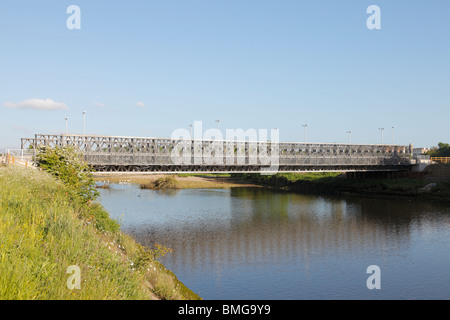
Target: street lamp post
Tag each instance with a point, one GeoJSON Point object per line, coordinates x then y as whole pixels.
{"type": "Point", "coordinates": [218, 120]}
{"type": "Point", "coordinates": [349, 133]}
{"type": "Point", "coordinates": [392, 134]}
{"type": "Point", "coordinates": [84, 122]}
{"type": "Point", "coordinates": [381, 130]}
{"type": "Point", "coordinates": [67, 131]}
{"type": "Point", "coordinates": [305, 125]}
{"type": "Point", "coordinates": [190, 126]}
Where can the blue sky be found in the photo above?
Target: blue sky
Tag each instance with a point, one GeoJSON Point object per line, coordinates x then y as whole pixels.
{"type": "Point", "coordinates": [147, 68]}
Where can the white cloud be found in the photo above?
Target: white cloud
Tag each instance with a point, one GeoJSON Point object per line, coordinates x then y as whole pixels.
{"type": "Point", "coordinates": [100, 105]}
{"type": "Point", "coordinates": [37, 104]}
{"type": "Point", "coordinates": [140, 104]}
{"type": "Point", "coordinates": [20, 128]}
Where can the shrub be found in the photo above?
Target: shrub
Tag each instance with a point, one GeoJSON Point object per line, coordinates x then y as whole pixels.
{"type": "Point", "coordinates": [68, 165]}
{"type": "Point", "coordinates": [161, 183]}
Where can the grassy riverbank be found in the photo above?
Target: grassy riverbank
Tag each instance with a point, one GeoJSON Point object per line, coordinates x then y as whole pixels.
{"type": "Point", "coordinates": [309, 183]}
{"type": "Point", "coordinates": [45, 228]}
{"type": "Point", "coordinates": [338, 184]}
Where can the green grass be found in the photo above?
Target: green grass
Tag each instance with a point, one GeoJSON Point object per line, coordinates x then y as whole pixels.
{"type": "Point", "coordinates": [284, 179]}
{"type": "Point", "coordinates": [336, 183]}
{"type": "Point", "coordinates": [44, 229]}
{"type": "Point", "coordinates": [309, 176]}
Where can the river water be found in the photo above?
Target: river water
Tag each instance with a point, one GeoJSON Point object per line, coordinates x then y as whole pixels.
{"type": "Point", "coordinates": [253, 243]}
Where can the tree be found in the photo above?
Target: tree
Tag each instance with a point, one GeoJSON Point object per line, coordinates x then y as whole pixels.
{"type": "Point", "coordinates": [443, 150]}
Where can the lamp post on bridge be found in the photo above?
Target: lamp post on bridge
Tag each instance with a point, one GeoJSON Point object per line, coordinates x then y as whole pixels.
{"type": "Point", "coordinates": [84, 123]}
{"type": "Point", "coordinates": [392, 134]}
{"type": "Point", "coordinates": [305, 126]}
{"type": "Point", "coordinates": [218, 120]}
{"type": "Point", "coordinates": [349, 133]}
{"type": "Point", "coordinates": [190, 126]}
{"type": "Point", "coordinates": [381, 130]}
{"type": "Point", "coordinates": [67, 131]}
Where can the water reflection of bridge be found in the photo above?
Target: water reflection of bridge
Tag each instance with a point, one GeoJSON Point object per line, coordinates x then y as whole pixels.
{"type": "Point", "coordinates": [291, 227]}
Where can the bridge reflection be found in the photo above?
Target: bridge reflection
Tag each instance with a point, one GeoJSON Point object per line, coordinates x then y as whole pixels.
{"type": "Point", "coordinates": [289, 227]}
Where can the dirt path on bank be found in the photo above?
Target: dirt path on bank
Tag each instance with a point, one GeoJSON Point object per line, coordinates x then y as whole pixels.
{"type": "Point", "coordinates": [181, 182]}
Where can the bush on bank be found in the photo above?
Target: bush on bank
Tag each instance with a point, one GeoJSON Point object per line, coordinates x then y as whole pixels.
{"type": "Point", "coordinates": [68, 165]}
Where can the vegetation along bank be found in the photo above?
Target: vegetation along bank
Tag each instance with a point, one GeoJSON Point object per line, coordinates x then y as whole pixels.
{"type": "Point", "coordinates": [57, 242]}
{"type": "Point", "coordinates": [432, 184]}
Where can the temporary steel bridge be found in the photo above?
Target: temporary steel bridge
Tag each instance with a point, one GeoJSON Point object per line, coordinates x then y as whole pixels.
{"type": "Point", "coordinates": [164, 155]}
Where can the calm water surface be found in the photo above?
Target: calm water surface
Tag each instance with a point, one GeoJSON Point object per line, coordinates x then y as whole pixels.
{"type": "Point", "coordinates": [252, 243]}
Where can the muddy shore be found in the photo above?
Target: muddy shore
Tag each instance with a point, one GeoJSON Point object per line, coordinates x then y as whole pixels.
{"type": "Point", "coordinates": [180, 181]}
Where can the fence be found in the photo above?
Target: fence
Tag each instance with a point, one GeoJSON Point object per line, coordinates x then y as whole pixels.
{"type": "Point", "coordinates": [20, 157]}
{"type": "Point", "coordinates": [441, 159]}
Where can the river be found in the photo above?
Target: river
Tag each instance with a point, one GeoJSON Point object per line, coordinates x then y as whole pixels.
{"type": "Point", "coordinates": [254, 243]}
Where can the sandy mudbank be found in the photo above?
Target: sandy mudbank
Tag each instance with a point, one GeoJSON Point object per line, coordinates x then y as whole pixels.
{"type": "Point", "coordinates": [175, 181]}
